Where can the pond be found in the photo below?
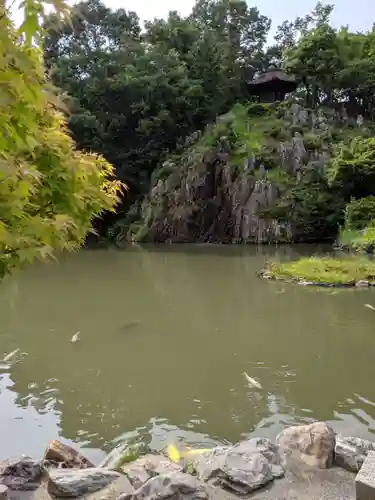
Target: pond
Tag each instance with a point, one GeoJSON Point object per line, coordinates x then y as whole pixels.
{"type": "Point", "coordinates": [165, 336]}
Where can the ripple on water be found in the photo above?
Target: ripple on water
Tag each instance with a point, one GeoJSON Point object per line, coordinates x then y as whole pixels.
{"type": "Point", "coordinates": [166, 334]}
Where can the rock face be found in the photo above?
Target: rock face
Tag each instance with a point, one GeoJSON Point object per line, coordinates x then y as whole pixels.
{"type": "Point", "coordinates": [20, 474]}
{"type": "Point", "coordinates": [62, 455]}
{"type": "Point", "coordinates": [312, 444]}
{"type": "Point", "coordinates": [77, 482]}
{"type": "Point", "coordinates": [173, 486]}
{"type": "Point", "coordinates": [144, 468]}
{"type": "Point", "coordinates": [351, 452]}
{"type": "Point", "coordinates": [241, 468]}
{"type": "Point", "coordinates": [214, 204]}
{"type": "Point", "coordinates": [210, 195]}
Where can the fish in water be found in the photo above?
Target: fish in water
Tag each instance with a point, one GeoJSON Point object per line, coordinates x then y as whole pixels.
{"type": "Point", "coordinates": [130, 324]}
{"type": "Point", "coordinates": [75, 337]}
{"type": "Point", "coordinates": [251, 381]}
{"type": "Point", "coordinates": [10, 355]}
{"type": "Point", "coordinates": [175, 455]}
{"type": "Point", "coordinates": [369, 306]}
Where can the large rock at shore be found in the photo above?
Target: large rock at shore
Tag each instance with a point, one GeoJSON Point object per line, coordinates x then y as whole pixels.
{"type": "Point", "coordinates": [144, 468]}
{"type": "Point", "coordinates": [173, 486]}
{"type": "Point", "coordinates": [61, 454]}
{"type": "Point", "coordinates": [350, 452]}
{"type": "Point", "coordinates": [312, 444]}
{"type": "Point", "coordinates": [20, 474]}
{"type": "Point", "coordinates": [77, 482]}
{"type": "Point", "coordinates": [241, 468]}
{"type": "Point", "coordinates": [119, 487]}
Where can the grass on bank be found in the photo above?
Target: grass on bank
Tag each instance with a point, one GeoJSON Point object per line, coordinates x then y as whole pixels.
{"type": "Point", "coordinates": [325, 270]}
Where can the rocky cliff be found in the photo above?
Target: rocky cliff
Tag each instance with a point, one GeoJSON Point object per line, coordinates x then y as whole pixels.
{"type": "Point", "coordinates": [256, 176]}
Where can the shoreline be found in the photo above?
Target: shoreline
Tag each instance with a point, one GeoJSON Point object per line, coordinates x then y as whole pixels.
{"type": "Point", "coordinates": [304, 457]}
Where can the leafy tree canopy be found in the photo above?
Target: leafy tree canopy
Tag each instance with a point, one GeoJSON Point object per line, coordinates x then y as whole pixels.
{"type": "Point", "coordinates": [135, 94]}
{"type": "Point", "coordinates": [49, 191]}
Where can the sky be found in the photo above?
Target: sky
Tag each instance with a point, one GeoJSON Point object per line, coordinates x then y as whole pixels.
{"type": "Point", "coordinates": [358, 14]}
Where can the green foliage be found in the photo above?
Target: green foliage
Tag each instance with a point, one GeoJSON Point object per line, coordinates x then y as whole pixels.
{"type": "Point", "coordinates": [277, 130]}
{"type": "Point", "coordinates": [330, 270]}
{"type": "Point", "coordinates": [142, 94]}
{"type": "Point", "coordinates": [135, 95]}
{"type": "Point", "coordinates": [49, 192]}
{"type": "Point", "coordinates": [317, 50]}
{"type": "Point", "coordinates": [280, 178]}
{"type": "Point", "coordinates": [312, 141]}
{"type": "Point", "coordinates": [358, 240]}
{"type": "Point", "coordinates": [259, 109]}
{"type": "Point", "coordinates": [360, 213]}
{"type": "Point", "coordinates": [353, 168]}
{"type": "Point", "coordinates": [163, 172]}
{"type": "Point", "coordinates": [315, 208]}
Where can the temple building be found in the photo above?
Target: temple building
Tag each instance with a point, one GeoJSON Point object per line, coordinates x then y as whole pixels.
{"type": "Point", "coordinates": [272, 86]}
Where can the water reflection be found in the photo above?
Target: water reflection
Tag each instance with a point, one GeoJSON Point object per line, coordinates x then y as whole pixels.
{"type": "Point", "coordinates": [166, 333]}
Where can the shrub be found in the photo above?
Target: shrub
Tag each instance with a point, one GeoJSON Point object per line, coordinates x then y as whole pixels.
{"type": "Point", "coordinates": [312, 141]}
{"type": "Point", "coordinates": [360, 213]}
{"type": "Point", "coordinates": [352, 168]}
{"type": "Point", "coordinates": [163, 172]}
{"type": "Point", "coordinates": [259, 109]}
{"type": "Point", "coordinates": [359, 241]}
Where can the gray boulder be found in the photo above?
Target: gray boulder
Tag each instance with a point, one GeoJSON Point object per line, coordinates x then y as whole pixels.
{"type": "Point", "coordinates": [4, 492]}
{"type": "Point", "coordinates": [20, 474]}
{"type": "Point", "coordinates": [77, 482]}
{"type": "Point", "coordinates": [241, 468]}
{"type": "Point", "coordinates": [350, 452]}
{"type": "Point", "coordinates": [172, 486]}
{"type": "Point", "coordinates": [312, 444]}
{"type": "Point", "coordinates": [111, 492]}
{"type": "Point", "coordinates": [148, 466]}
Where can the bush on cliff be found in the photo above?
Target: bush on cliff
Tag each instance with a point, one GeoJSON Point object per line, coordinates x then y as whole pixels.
{"type": "Point", "coordinates": [358, 240]}
{"type": "Point", "coordinates": [352, 168]}
{"type": "Point", "coordinates": [360, 213]}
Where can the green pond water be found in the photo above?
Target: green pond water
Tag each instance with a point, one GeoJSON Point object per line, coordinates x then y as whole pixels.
{"type": "Point", "coordinates": [165, 336]}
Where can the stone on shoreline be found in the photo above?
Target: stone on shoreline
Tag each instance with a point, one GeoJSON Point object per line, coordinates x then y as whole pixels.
{"type": "Point", "coordinates": [63, 455]}
{"type": "Point", "coordinates": [144, 468]}
{"type": "Point", "coordinates": [299, 460]}
{"type": "Point", "coordinates": [351, 452]}
{"type": "Point", "coordinates": [365, 479]}
{"type": "Point", "coordinates": [173, 486]}
{"type": "Point", "coordinates": [312, 444]}
{"type": "Point", "coordinates": [119, 487]}
{"type": "Point", "coordinates": [77, 482]}
{"type": "Point", "coordinates": [4, 492]}
{"type": "Point", "coordinates": [20, 474]}
{"type": "Point", "coordinates": [241, 468]}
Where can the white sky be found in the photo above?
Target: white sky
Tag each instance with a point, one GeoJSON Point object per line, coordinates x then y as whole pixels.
{"type": "Point", "coordinates": [358, 14]}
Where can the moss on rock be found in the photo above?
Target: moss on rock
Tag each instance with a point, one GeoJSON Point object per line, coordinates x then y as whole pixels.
{"type": "Point", "coordinates": [328, 271]}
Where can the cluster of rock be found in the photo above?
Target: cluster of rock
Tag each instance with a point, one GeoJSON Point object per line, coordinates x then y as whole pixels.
{"type": "Point", "coordinates": [210, 198]}
{"type": "Point", "coordinates": [225, 472]}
